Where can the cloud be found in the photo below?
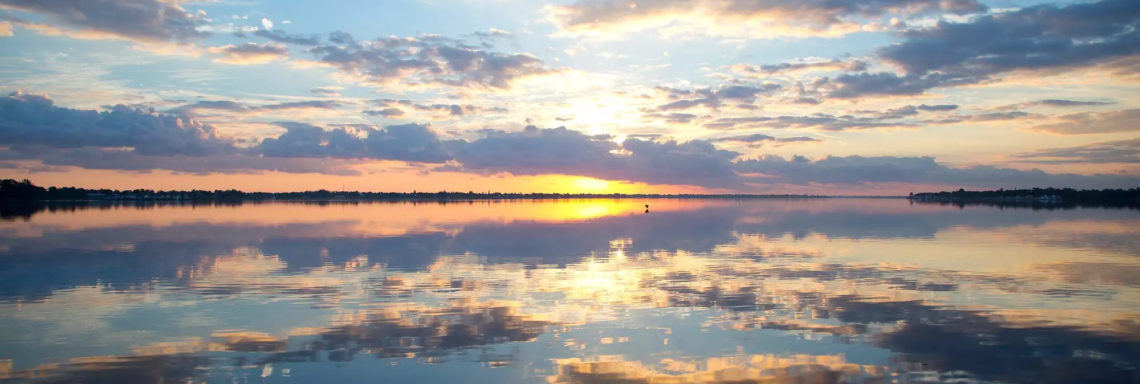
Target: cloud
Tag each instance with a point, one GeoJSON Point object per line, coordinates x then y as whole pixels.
{"type": "Point", "coordinates": [139, 20]}
{"type": "Point", "coordinates": [796, 67]}
{"type": "Point", "coordinates": [819, 121]}
{"type": "Point", "coordinates": [122, 138]}
{"type": "Point", "coordinates": [1126, 120]}
{"type": "Point", "coordinates": [937, 108]}
{"type": "Point", "coordinates": [280, 36]}
{"type": "Point", "coordinates": [674, 118]}
{"type": "Point", "coordinates": [237, 107]}
{"type": "Point", "coordinates": [5, 29]}
{"type": "Point", "coordinates": [429, 60]}
{"type": "Point", "coordinates": [885, 83]}
{"type": "Point", "coordinates": [386, 112]}
{"type": "Point", "coordinates": [410, 142]}
{"type": "Point", "coordinates": [757, 139]}
{"type": "Point", "coordinates": [33, 120]}
{"type": "Point", "coordinates": [267, 24]}
{"type": "Point", "coordinates": [911, 110]}
{"type": "Point", "coordinates": [887, 169]}
{"type": "Point", "coordinates": [1123, 151]}
{"type": "Point", "coordinates": [536, 151]}
{"type": "Point", "coordinates": [1032, 38]}
{"type": "Point", "coordinates": [113, 159]}
{"type": "Point", "coordinates": [1069, 103]}
{"type": "Point", "coordinates": [763, 18]}
{"type": "Point", "coordinates": [329, 91]}
{"type": "Point", "coordinates": [250, 53]}
{"type": "Point", "coordinates": [395, 108]}
{"type": "Point", "coordinates": [682, 99]}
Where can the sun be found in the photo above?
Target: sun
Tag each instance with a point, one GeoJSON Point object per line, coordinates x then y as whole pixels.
{"type": "Point", "coordinates": [589, 184]}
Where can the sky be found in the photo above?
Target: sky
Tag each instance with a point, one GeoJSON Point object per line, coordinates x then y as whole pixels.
{"type": "Point", "coordinates": [860, 97]}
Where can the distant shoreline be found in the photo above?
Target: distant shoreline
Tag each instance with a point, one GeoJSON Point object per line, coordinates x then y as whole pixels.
{"type": "Point", "coordinates": [12, 190]}
{"type": "Point", "coordinates": [1036, 197]}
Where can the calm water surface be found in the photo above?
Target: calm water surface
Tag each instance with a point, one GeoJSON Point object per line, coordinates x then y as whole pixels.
{"type": "Point", "coordinates": [827, 290]}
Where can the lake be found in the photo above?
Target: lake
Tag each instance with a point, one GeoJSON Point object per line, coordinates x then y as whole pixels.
{"type": "Point", "coordinates": [577, 291]}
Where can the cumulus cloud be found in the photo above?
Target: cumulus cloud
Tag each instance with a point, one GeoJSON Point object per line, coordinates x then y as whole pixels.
{"type": "Point", "coordinates": [250, 53]}
{"type": "Point", "coordinates": [1123, 151]}
{"type": "Point", "coordinates": [121, 138]}
{"type": "Point", "coordinates": [140, 20]}
{"type": "Point", "coordinates": [681, 99]}
{"type": "Point", "coordinates": [411, 142]}
{"type": "Point", "coordinates": [1127, 120]}
{"type": "Point", "coordinates": [764, 18]}
{"type": "Point", "coordinates": [33, 120]}
{"type": "Point", "coordinates": [537, 151]}
{"type": "Point", "coordinates": [886, 169]}
{"type": "Point", "coordinates": [1032, 38]}
{"type": "Point", "coordinates": [428, 60]}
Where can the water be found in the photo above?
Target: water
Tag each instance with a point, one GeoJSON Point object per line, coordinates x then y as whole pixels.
{"type": "Point", "coordinates": [820, 290]}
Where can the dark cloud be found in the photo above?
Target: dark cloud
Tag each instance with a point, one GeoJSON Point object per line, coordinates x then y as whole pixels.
{"type": "Point", "coordinates": [142, 20]}
{"type": "Point", "coordinates": [798, 66]}
{"type": "Point", "coordinates": [410, 142]}
{"type": "Point", "coordinates": [1032, 38]}
{"type": "Point", "coordinates": [563, 151]}
{"type": "Point", "coordinates": [938, 108]}
{"type": "Point", "coordinates": [1070, 103]}
{"type": "Point", "coordinates": [884, 169]}
{"type": "Point", "coordinates": [910, 110]}
{"type": "Point", "coordinates": [1123, 151]}
{"type": "Point", "coordinates": [492, 34]}
{"type": "Point", "coordinates": [814, 14]}
{"type": "Point", "coordinates": [437, 108]}
{"type": "Point", "coordinates": [250, 53]}
{"type": "Point", "coordinates": [239, 162]}
{"type": "Point", "coordinates": [280, 36]}
{"type": "Point", "coordinates": [326, 91]}
{"type": "Point", "coordinates": [688, 98]}
{"type": "Point", "coordinates": [758, 138]}
{"type": "Point", "coordinates": [675, 118]}
{"type": "Point", "coordinates": [537, 151]}
{"type": "Point", "coordinates": [234, 106]}
{"type": "Point", "coordinates": [983, 117]}
{"type": "Point", "coordinates": [818, 121]}
{"type": "Point", "coordinates": [310, 104]}
{"type": "Point", "coordinates": [386, 112]}
{"type": "Point", "coordinates": [885, 83]}
{"type": "Point", "coordinates": [425, 60]}
{"type": "Point", "coordinates": [32, 120]}
{"type": "Point", "coordinates": [1127, 120]}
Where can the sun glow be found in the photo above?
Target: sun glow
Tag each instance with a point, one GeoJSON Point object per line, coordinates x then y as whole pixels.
{"type": "Point", "coordinates": [589, 184]}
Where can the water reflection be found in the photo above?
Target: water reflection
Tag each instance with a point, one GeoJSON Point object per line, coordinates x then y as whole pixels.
{"type": "Point", "coordinates": [582, 291]}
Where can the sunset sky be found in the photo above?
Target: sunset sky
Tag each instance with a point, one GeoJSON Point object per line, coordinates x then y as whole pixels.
{"type": "Point", "coordinates": [756, 96]}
